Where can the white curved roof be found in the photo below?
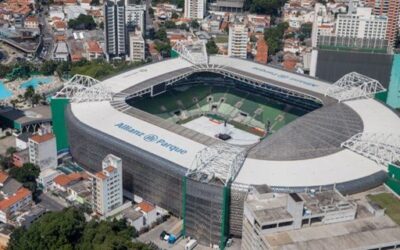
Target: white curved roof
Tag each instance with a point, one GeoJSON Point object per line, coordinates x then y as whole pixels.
{"type": "Point", "coordinates": [339, 167]}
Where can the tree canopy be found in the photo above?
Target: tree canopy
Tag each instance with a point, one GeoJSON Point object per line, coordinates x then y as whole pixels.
{"type": "Point", "coordinates": [274, 36]}
{"type": "Point", "coordinates": [83, 22]}
{"type": "Point", "coordinates": [68, 229]}
{"type": "Point", "coordinates": [27, 175]}
{"type": "Point", "coordinates": [267, 7]}
{"type": "Point", "coordinates": [211, 47]}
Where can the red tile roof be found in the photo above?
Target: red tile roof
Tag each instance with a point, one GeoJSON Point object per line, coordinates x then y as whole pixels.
{"type": "Point", "coordinates": [21, 194]}
{"type": "Point", "coordinates": [101, 175]}
{"type": "Point", "coordinates": [3, 176]}
{"type": "Point", "coordinates": [146, 207]}
{"type": "Point", "coordinates": [94, 47]}
{"type": "Point", "coordinates": [63, 180]}
{"type": "Point", "coordinates": [42, 138]}
{"type": "Point", "coordinates": [262, 50]}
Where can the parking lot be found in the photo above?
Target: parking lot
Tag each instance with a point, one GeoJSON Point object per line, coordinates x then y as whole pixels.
{"type": "Point", "coordinates": [154, 236]}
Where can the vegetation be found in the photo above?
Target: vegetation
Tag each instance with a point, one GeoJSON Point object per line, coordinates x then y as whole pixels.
{"type": "Point", "coordinates": [162, 42]}
{"type": "Point", "coordinates": [83, 22]}
{"type": "Point", "coordinates": [7, 159]}
{"type": "Point", "coordinates": [390, 202]}
{"type": "Point", "coordinates": [174, 15]}
{"type": "Point", "coordinates": [100, 69]}
{"type": "Point", "coordinates": [274, 36]}
{"type": "Point", "coordinates": [27, 175]}
{"type": "Point", "coordinates": [194, 24]}
{"type": "Point", "coordinates": [68, 229]}
{"type": "Point", "coordinates": [305, 31]}
{"type": "Point", "coordinates": [170, 24]}
{"type": "Point", "coordinates": [31, 96]}
{"type": "Point", "coordinates": [212, 48]}
{"type": "Point", "coordinates": [267, 7]}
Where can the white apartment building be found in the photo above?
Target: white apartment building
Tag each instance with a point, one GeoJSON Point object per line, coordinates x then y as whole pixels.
{"type": "Point", "coordinates": [136, 46]}
{"type": "Point", "coordinates": [115, 29]}
{"type": "Point", "coordinates": [361, 24]}
{"type": "Point", "coordinates": [43, 150]}
{"type": "Point", "coordinates": [195, 9]}
{"type": "Point", "coordinates": [107, 186]}
{"type": "Point", "coordinates": [238, 38]}
{"type": "Point", "coordinates": [135, 15]}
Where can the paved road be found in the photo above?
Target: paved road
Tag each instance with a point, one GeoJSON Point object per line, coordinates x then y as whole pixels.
{"type": "Point", "coordinates": [51, 203]}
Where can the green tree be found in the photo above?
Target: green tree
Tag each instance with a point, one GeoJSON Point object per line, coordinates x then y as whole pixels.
{"type": "Point", "coordinates": [48, 67]}
{"type": "Point", "coordinates": [268, 7]}
{"type": "Point", "coordinates": [170, 24]}
{"type": "Point", "coordinates": [212, 47]}
{"type": "Point", "coordinates": [273, 36]}
{"type": "Point", "coordinates": [174, 15]}
{"type": "Point", "coordinates": [161, 34]}
{"type": "Point", "coordinates": [194, 24]}
{"type": "Point", "coordinates": [69, 230]}
{"type": "Point", "coordinates": [180, 3]}
{"type": "Point", "coordinates": [29, 93]}
{"type": "Point", "coordinates": [95, 3]}
{"type": "Point", "coordinates": [82, 22]}
{"type": "Point", "coordinates": [27, 175]}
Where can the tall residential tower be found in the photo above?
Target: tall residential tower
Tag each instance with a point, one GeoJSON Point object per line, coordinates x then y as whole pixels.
{"type": "Point", "coordinates": [115, 29]}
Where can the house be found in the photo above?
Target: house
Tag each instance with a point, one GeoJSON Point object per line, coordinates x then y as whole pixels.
{"type": "Point", "coordinates": [149, 212]}
{"type": "Point", "coordinates": [134, 218]}
{"type": "Point", "coordinates": [60, 26]}
{"type": "Point", "coordinates": [46, 178]}
{"type": "Point", "coordinates": [12, 205]}
{"type": "Point", "coordinates": [93, 50]}
{"type": "Point", "coordinates": [80, 192]}
{"type": "Point", "coordinates": [31, 22]}
{"type": "Point", "coordinates": [63, 181]}
{"type": "Point", "coordinates": [20, 158]}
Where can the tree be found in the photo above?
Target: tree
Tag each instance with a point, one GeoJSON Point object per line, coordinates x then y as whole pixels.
{"type": "Point", "coordinates": [174, 15]}
{"type": "Point", "coordinates": [305, 31]}
{"type": "Point", "coordinates": [180, 3]}
{"type": "Point", "coordinates": [95, 3]}
{"type": "Point", "coordinates": [29, 93]}
{"type": "Point", "coordinates": [82, 22]}
{"type": "Point", "coordinates": [68, 229]}
{"type": "Point", "coordinates": [27, 175]}
{"type": "Point", "coordinates": [161, 34]}
{"type": "Point", "coordinates": [170, 24]}
{"type": "Point", "coordinates": [48, 67]}
{"type": "Point", "coordinates": [268, 7]}
{"type": "Point", "coordinates": [6, 161]}
{"type": "Point", "coordinates": [212, 47]}
{"type": "Point", "coordinates": [273, 36]}
{"type": "Point", "coordinates": [194, 24]}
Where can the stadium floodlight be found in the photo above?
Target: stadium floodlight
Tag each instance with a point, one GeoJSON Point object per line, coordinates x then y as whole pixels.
{"type": "Point", "coordinates": [81, 88]}
{"type": "Point", "coordinates": [354, 85]}
{"type": "Point", "coordinates": [194, 52]}
{"type": "Point", "coordinates": [379, 147]}
{"type": "Point", "coordinates": [220, 160]}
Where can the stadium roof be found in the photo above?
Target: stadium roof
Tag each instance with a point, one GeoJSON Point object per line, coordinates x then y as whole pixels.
{"type": "Point", "coordinates": [306, 152]}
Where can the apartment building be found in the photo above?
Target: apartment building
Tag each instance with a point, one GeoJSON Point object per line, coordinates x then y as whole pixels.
{"type": "Point", "coordinates": [115, 29]}
{"type": "Point", "coordinates": [42, 149]}
{"type": "Point", "coordinates": [107, 186]}
{"type": "Point", "coordinates": [195, 9]}
{"type": "Point", "coordinates": [11, 205]}
{"type": "Point", "coordinates": [362, 24]}
{"type": "Point", "coordinates": [136, 47]}
{"type": "Point", "coordinates": [135, 15]}
{"type": "Point", "coordinates": [238, 38]}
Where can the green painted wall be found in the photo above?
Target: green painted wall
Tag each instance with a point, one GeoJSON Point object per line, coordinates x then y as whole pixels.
{"type": "Point", "coordinates": [393, 180]}
{"type": "Point", "coordinates": [184, 206]}
{"type": "Point", "coordinates": [58, 106]}
{"type": "Point", "coordinates": [174, 54]}
{"type": "Point", "coordinates": [382, 96]}
{"type": "Point", "coordinates": [393, 96]}
{"type": "Point", "coordinates": [225, 217]}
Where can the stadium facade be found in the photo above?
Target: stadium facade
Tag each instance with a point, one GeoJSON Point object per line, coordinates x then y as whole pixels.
{"type": "Point", "coordinates": [203, 179]}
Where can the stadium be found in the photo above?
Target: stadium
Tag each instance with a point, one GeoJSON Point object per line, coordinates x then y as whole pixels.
{"type": "Point", "coordinates": [195, 132]}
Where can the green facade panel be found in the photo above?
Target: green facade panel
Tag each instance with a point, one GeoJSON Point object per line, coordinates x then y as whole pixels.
{"type": "Point", "coordinates": [58, 106]}
{"type": "Point", "coordinates": [382, 96]}
{"type": "Point", "coordinates": [393, 182]}
{"type": "Point", "coordinates": [393, 96]}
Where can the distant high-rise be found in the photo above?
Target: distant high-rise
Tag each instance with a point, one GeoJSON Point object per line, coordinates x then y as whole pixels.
{"type": "Point", "coordinates": [135, 15]}
{"type": "Point", "coordinates": [391, 9]}
{"type": "Point", "coordinates": [195, 9]}
{"type": "Point", "coordinates": [238, 37]}
{"type": "Point", "coordinates": [115, 29]}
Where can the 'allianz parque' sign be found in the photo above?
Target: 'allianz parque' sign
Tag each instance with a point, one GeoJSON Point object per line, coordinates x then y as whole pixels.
{"type": "Point", "coordinates": [150, 138]}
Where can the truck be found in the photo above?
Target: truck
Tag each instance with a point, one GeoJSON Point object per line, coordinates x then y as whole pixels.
{"type": "Point", "coordinates": [191, 244]}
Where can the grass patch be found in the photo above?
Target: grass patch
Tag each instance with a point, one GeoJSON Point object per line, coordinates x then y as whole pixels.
{"type": "Point", "coordinates": [390, 202]}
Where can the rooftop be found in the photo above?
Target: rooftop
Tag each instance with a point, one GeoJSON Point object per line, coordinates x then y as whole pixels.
{"type": "Point", "coordinates": [19, 195]}
{"type": "Point", "coordinates": [64, 180]}
{"type": "Point", "coordinates": [146, 207]}
{"type": "Point", "coordinates": [367, 233]}
{"type": "Point", "coordinates": [3, 177]}
{"type": "Point", "coordinates": [42, 138]}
